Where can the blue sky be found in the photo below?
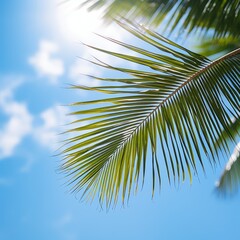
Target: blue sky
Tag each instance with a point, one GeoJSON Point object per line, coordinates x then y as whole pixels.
{"type": "Point", "coordinates": [39, 56]}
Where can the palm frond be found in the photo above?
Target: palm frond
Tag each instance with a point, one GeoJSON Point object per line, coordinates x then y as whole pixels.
{"type": "Point", "coordinates": [221, 16]}
{"type": "Point", "coordinates": [232, 133]}
{"type": "Point", "coordinates": [217, 46]}
{"type": "Point", "coordinates": [229, 182]}
{"type": "Point", "coordinates": [179, 102]}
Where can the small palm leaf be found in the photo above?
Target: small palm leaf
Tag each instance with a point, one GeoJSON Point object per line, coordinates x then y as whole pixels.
{"type": "Point", "coordinates": [210, 47]}
{"type": "Point", "coordinates": [232, 133]}
{"type": "Point", "coordinates": [180, 104]}
{"type": "Point", "coordinates": [230, 180]}
{"type": "Point", "coordinates": [222, 16]}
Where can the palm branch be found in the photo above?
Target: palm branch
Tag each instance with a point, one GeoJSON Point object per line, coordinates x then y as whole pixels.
{"type": "Point", "coordinates": [229, 181]}
{"type": "Point", "coordinates": [179, 103]}
{"type": "Point", "coordinates": [221, 16]}
{"type": "Point", "coordinates": [233, 129]}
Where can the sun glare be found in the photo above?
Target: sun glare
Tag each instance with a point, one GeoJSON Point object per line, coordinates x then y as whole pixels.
{"type": "Point", "coordinates": [78, 23]}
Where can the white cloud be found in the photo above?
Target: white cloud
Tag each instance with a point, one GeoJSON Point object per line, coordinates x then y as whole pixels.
{"type": "Point", "coordinates": [45, 64]}
{"type": "Point", "coordinates": [18, 125]}
{"type": "Point", "coordinates": [53, 119]}
{"type": "Point", "coordinates": [80, 69]}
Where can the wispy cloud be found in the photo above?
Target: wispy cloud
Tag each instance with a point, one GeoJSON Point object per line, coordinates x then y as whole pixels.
{"type": "Point", "coordinates": [53, 120]}
{"type": "Point", "coordinates": [45, 63]}
{"type": "Point", "coordinates": [80, 69]}
{"type": "Point", "coordinates": [19, 121]}
{"type": "Point", "coordinates": [27, 166]}
{"type": "Point", "coordinates": [63, 220]}
{"type": "Point", "coordinates": [4, 182]}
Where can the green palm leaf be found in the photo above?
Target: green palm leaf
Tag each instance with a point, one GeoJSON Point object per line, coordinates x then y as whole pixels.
{"type": "Point", "coordinates": [222, 16]}
{"type": "Point", "coordinates": [179, 103]}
